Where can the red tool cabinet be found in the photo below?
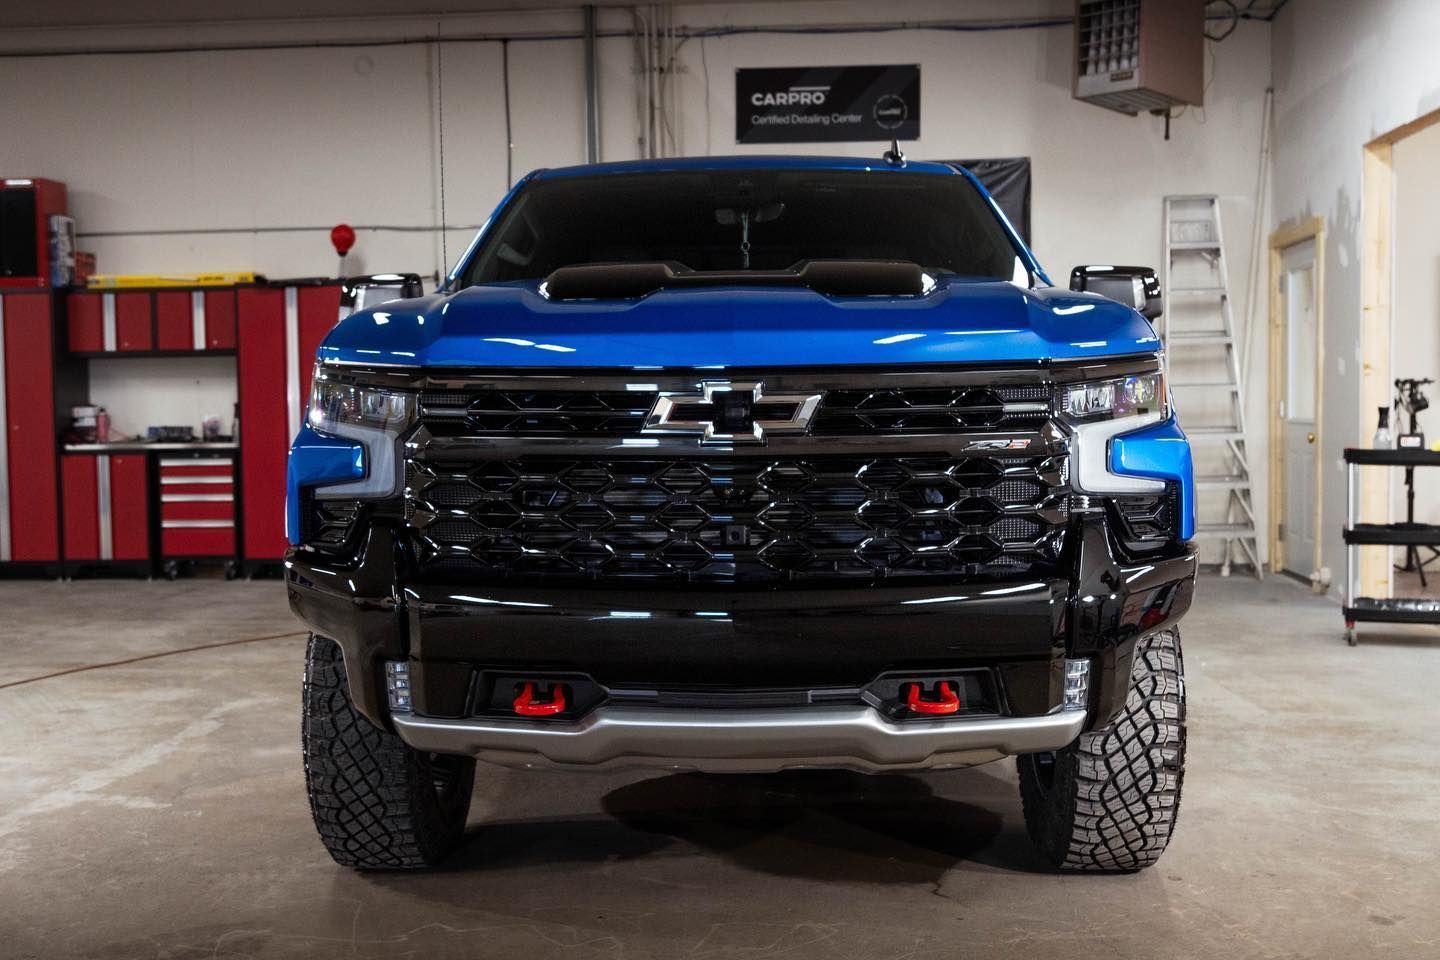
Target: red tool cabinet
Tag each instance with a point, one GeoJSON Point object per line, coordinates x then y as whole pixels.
{"type": "Point", "coordinates": [174, 325]}
{"type": "Point", "coordinates": [179, 320]}
{"type": "Point", "coordinates": [26, 206]}
{"type": "Point", "coordinates": [29, 503]}
{"type": "Point", "coordinates": [155, 507]}
{"type": "Point", "coordinates": [139, 503]}
{"type": "Point", "coordinates": [134, 328]}
{"type": "Point", "coordinates": [280, 329]}
{"type": "Point", "coordinates": [106, 507]}
{"type": "Point", "coordinates": [197, 506]}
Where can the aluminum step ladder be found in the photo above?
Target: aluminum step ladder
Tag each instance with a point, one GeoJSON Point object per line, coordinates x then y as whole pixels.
{"type": "Point", "coordinates": [1204, 372]}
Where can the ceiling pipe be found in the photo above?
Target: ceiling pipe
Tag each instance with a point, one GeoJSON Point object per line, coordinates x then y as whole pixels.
{"type": "Point", "coordinates": [592, 98]}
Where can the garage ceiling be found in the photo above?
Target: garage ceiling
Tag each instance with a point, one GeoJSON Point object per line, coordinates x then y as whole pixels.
{"type": "Point", "coordinates": [84, 13]}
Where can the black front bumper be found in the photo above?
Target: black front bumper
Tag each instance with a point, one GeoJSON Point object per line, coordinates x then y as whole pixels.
{"type": "Point", "coordinates": [815, 638]}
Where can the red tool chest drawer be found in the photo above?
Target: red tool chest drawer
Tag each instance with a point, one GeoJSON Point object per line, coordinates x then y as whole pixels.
{"type": "Point", "coordinates": [194, 470]}
{"type": "Point", "coordinates": [197, 538]}
{"type": "Point", "coordinates": [201, 486]}
{"type": "Point", "coordinates": [197, 507]}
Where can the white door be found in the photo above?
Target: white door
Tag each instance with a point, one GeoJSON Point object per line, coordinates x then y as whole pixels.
{"type": "Point", "coordinates": [1297, 408]}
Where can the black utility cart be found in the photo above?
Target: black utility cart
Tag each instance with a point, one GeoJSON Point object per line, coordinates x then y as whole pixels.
{"type": "Point", "coordinates": [1382, 609]}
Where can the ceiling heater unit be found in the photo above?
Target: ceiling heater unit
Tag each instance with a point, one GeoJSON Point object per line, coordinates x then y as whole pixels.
{"type": "Point", "coordinates": [1134, 55]}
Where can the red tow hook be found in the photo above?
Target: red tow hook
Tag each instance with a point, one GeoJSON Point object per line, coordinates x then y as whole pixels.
{"type": "Point", "coordinates": [948, 700]}
{"type": "Point", "coordinates": [526, 706]}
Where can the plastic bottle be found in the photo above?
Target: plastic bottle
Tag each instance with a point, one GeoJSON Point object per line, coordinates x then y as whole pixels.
{"type": "Point", "coordinates": [102, 426]}
{"type": "Point", "coordinates": [1383, 440]}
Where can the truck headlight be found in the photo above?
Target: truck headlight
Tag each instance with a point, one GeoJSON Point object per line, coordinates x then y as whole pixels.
{"type": "Point", "coordinates": [1132, 396]}
{"type": "Point", "coordinates": [1098, 410]}
{"type": "Point", "coordinates": [334, 407]}
{"type": "Point", "coordinates": [371, 415]}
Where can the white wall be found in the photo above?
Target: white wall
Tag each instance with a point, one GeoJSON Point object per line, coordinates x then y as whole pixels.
{"type": "Point", "coordinates": [186, 143]}
{"type": "Point", "coordinates": [1415, 346]}
{"type": "Point", "coordinates": [253, 140]}
{"type": "Point", "coordinates": [309, 137]}
{"type": "Point", "coordinates": [1342, 77]}
{"type": "Point", "coordinates": [143, 392]}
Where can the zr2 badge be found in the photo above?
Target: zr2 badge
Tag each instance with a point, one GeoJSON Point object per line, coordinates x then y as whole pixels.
{"type": "Point", "coordinates": [1019, 444]}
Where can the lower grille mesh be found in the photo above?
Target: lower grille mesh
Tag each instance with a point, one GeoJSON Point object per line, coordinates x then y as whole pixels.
{"type": "Point", "coordinates": [327, 524]}
{"type": "Point", "coordinates": [1148, 520]}
{"type": "Point", "coordinates": [752, 520]}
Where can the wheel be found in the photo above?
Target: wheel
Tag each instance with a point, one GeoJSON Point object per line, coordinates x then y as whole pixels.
{"type": "Point", "coordinates": [232, 570]}
{"type": "Point", "coordinates": [378, 804]}
{"type": "Point", "coordinates": [1108, 802]}
{"type": "Point", "coordinates": [1351, 638]}
{"type": "Point", "coordinates": [170, 569]}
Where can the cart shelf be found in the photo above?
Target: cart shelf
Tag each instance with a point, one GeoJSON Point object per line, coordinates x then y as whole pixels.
{"type": "Point", "coordinates": [1397, 610]}
{"type": "Point", "coordinates": [1408, 457]}
{"type": "Point", "coordinates": [1393, 534]}
{"type": "Point", "coordinates": [1382, 609]}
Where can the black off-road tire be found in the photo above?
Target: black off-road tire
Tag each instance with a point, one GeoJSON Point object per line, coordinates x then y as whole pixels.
{"type": "Point", "coordinates": [377, 803]}
{"type": "Point", "coordinates": [1108, 802]}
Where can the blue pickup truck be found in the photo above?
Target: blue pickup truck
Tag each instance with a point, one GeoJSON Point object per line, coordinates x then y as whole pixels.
{"type": "Point", "coordinates": [743, 465]}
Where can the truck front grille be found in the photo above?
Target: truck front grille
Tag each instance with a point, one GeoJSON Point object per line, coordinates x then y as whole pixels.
{"type": "Point", "coordinates": [843, 412]}
{"type": "Point", "coordinates": [735, 519]}
{"type": "Point", "coordinates": [933, 410]}
{"type": "Point", "coordinates": [594, 413]}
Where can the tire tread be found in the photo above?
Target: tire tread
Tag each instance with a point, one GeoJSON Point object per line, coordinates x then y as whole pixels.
{"type": "Point", "coordinates": [1115, 793]}
{"type": "Point", "coordinates": [372, 797]}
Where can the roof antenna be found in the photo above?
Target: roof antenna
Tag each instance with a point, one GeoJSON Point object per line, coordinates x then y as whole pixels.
{"type": "Point", "coordinates": [894, 155]}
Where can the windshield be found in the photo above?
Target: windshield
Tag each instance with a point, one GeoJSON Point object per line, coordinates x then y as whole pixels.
{"type": "Point", "coordinates": [747, 220]}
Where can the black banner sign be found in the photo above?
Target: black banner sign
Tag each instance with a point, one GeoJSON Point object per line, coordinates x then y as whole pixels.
{"type": "Point", "coordinates": [1008, 181]}
{"type": "Point", "coordinates": [827, 104]}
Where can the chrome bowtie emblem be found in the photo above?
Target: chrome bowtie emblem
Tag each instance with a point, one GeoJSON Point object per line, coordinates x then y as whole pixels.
{"type": "Point", "coordinates": [726, 413]}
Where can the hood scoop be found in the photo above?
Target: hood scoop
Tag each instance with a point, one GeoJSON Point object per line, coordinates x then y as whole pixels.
{"type": "Point", "coordinates": [840, 278]}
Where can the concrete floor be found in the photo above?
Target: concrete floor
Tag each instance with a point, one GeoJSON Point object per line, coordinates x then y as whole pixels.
{"type": "Point", "coordinates": [155, 809]}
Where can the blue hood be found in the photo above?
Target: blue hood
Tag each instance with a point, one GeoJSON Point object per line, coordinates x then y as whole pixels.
{"type": "Point", "coordinates": [513, 325]}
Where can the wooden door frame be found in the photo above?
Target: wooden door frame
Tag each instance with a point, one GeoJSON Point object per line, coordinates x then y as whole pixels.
{"type": "Point", "coordinates": [1377, 282]}
{"type": "Point", "coordinates": [1281, 240]}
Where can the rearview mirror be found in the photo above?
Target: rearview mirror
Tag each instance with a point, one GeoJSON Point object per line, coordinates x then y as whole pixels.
{"type": "Point", "coordinates": [729, 216]}
{"type": "Point", "coordinates": [1136, 287]}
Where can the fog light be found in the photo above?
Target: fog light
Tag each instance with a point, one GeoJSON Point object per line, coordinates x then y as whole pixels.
{"type": "Point", "coordinates": [397, 685]}
{"type": "Point", "coordinates": [1077, 685]}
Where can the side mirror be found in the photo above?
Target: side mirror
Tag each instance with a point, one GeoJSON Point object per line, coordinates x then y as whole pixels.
{"type": "Point", "coordinates": [1136, 287]}
{"type": "Point", "coordinates": [357, 293]}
